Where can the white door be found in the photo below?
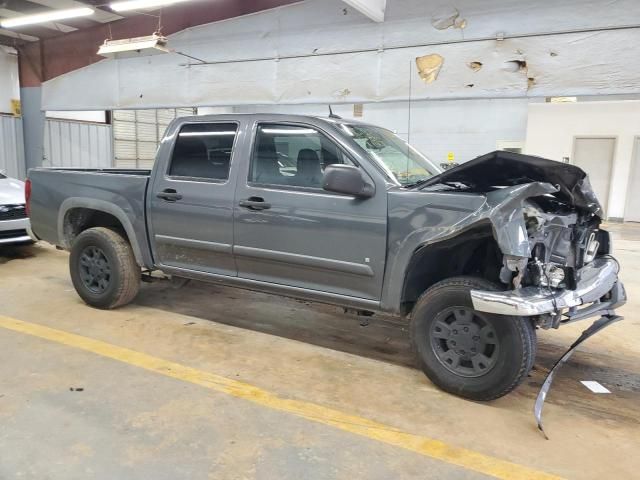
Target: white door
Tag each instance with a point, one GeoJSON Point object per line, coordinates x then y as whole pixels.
{"type": "Point", "coordinates": [632, 212]}
{"type": "Point", "coordinates": [595, 156]}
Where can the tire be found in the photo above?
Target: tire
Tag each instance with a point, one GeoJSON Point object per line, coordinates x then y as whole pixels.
{"type": "Point", "coordinates": [487, 362]}
{"type": "Point", "coordinates": [103, 268]}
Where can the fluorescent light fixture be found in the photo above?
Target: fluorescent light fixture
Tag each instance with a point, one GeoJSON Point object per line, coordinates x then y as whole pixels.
{"type": "Point", "coordinates": [134, 47]}
{"type": "Point", "coordinates": [51, 16]}
{"type": "Point", "coordinates": [142, 4]}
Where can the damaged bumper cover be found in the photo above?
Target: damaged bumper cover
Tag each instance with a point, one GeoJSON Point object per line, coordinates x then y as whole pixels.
{"type": "Point", "coordinates": [597, 279]}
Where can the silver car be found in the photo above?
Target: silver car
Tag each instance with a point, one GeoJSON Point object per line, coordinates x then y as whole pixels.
{"type": "Point", "coordinates": [14, 221]}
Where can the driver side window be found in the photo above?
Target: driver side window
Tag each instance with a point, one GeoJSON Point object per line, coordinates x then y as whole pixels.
{"type": "Point", "coordinates": [292, 155]}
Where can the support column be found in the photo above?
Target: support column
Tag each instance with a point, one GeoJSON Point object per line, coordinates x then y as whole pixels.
{"type": "Point", "coordinates": [32, 74]}
{"type": "Point", "coordinates": [33, 119]}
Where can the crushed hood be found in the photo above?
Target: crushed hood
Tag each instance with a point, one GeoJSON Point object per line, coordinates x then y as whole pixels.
{"type": "Point", "coordinates": [505, 169]}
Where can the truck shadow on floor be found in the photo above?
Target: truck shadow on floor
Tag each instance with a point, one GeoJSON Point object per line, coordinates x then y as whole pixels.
{"type": "Point", "coordinates": [386, 338]}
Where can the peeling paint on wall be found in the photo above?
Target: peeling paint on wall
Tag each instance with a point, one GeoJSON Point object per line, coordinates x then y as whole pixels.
{"type": "Point", "coordinates": [447, 17]}
{"type": "Point", "coordinates": [429, 66]}
{"type": "Point", "coordinates": [342, 94]}
{"type": "Point", "coordinates": [515, 66]}
{"type": "Point", "coordinates": [475, 66]}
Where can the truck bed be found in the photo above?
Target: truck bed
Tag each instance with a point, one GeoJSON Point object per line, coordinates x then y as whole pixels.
{"type": "Point", "coordinates": [111, 171]}
{"type": "Point", "coordinates": [55, 192]}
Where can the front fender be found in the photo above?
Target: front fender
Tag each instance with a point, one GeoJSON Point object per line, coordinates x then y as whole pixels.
{"type": "Point", "coordinates": [418, 219]}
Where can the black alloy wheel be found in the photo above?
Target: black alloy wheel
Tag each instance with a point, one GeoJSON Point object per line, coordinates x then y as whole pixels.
{"type": "Point", "coordinates": [95, 270]}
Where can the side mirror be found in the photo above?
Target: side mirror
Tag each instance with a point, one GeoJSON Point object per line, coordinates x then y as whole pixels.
{"type": "Point", "coordinates": [348, 180]}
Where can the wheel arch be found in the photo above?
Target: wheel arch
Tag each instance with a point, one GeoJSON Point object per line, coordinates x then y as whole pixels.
{"type": "Point", "coordinates": [471, 252]}
{"type": "Point", "coordinates": [79, 214]}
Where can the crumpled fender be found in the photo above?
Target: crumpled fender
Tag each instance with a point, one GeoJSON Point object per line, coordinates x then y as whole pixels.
{"type": "Point", "coordinates": [507, 219]}
{"type": "Point", "coordinates": [418, 219]}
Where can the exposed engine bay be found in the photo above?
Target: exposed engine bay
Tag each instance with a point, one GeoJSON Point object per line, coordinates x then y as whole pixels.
{"type": "Point", "coordinates": [561, 244]}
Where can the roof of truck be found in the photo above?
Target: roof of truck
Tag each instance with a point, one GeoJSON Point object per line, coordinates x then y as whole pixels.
{"type": "Point", "coordinates": [274, 116]}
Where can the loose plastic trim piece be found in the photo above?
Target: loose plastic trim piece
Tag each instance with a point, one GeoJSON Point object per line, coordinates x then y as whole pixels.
{"type": "Point", "coordinates": [598, 325]}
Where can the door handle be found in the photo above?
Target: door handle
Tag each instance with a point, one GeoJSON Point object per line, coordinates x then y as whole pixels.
{"type": "Point", "coordinates": [255, 203]}
{"type": "Point", "coordinates": [169, 194]}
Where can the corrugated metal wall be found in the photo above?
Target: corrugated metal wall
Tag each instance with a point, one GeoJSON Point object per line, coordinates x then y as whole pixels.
{"type": "Point", "coordinates": [77, 144]}
{"type": "Point", "coordinates": [11, 147]}
{"type": "Point", "coordinates": [137, 134]}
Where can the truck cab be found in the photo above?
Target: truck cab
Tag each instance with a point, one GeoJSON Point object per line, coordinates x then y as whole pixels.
{"type": "Point", "coordinates": [244, 197]}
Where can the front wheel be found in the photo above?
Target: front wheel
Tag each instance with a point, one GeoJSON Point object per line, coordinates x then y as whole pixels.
{"type": "Point", "coordinates": [475, 355]}
{"type": "Point", "coordinates": [103, 268]}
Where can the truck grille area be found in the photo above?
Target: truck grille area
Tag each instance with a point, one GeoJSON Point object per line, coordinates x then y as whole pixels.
{"type": "Point", "coordinates": [12, 212]}
{"type": "Point", "coordinates": [6, 234]}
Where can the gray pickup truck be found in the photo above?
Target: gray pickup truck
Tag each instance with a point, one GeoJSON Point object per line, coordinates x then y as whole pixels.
{"type": "Point", "coordinates": [341, 212]}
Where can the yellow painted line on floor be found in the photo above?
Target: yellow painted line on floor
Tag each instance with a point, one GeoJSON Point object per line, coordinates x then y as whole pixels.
{"type": "Point", "coordinates": [429, 447]}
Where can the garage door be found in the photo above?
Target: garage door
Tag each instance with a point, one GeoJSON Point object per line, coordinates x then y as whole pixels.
{"type": "Point", "coordinates": [137, 134]}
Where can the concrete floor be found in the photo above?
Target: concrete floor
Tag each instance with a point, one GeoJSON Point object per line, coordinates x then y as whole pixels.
{"type": "Point", "coordinates": [126, 422]}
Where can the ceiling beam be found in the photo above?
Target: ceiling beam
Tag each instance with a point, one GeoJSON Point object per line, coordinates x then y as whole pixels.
{"type": "Point", "coordinates": [65, 53]}
{"type": "Point", "coordinates": [58, 27]}
{"type": "Point", "coordinates": [100, 16]}
{"type": "Point", "coordinates": [17, 36]}
{"type": "Point", "coordinates": [374, 9]}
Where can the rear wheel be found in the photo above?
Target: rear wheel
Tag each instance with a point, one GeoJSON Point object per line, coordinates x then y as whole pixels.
{"type": "Point", "coordinates": [472, 354]}
{"type": "Point", "coordinates": [103, 268]}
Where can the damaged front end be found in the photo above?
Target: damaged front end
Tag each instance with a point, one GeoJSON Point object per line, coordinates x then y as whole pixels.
{"type": "Point", "coordinates": [557, 264]}
{"type": "Point", "coordinates": [557, 260]}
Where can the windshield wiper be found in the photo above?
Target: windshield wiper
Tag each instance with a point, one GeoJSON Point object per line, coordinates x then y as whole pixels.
{"type": "Point", "coordinates": [416, 184]}
{"type": "Point", "coordinates": [448, 185]}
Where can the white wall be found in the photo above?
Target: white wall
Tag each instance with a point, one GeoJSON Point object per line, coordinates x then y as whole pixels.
{"type": "Point", "coordinates": [9, 83]}
{"type": "Point", "coordinates": [11, 142]}
{"type": "Point", "coordinates": [468, 128]}
{"type": "Point", "coordinates": [11, 147]}
{"type": "Point", "coordinates": [97, 116]}
{"type": "Point", "coordinates": [77, 144]}
{"type": "Point", "coordinates": [552, 127]}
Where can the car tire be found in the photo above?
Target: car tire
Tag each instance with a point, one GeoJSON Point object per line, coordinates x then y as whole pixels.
{"type": "Point", "coordinates": [488, 355]}
{"type": "Point", "coordinates": [103, 268]}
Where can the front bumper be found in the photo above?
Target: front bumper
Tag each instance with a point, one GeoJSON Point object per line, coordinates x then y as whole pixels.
{"type": "Point", "coordinates": [597, 279]}
{"type": "Point", "coordinates": [16, 231]}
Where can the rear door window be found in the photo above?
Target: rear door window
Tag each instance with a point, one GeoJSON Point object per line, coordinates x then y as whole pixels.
{"type": "Point", "coordinates": [204, 151]}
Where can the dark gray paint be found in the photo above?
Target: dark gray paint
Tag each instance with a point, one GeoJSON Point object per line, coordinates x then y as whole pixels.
{"type": "Point", "coordinates": [309, 244]}
{"type": "Point", "coordinates": [57, 191]}
{"type": "Point", "coordinates": [309, 237]}
{"type": "Point", "coordinates": [201, 221]}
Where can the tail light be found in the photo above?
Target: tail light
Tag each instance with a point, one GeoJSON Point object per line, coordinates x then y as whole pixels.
{"type": "Point", "coordinates": [27, 196]}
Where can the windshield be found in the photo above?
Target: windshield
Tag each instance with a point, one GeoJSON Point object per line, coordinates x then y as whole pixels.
{"type": "Point", "coordinates": [400, 160]}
